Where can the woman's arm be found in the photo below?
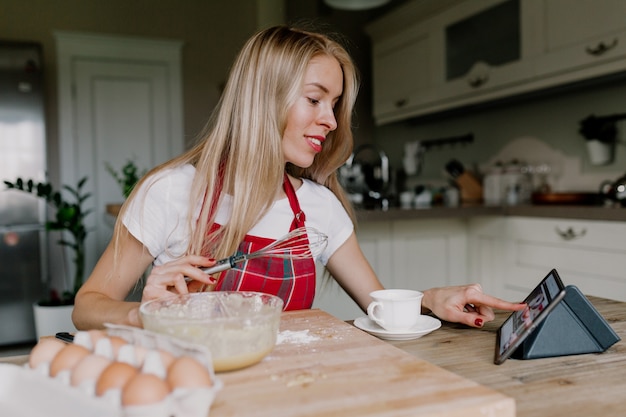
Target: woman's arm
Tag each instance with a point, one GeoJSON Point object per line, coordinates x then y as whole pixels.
{"type": "Point", "coordinates": [101, 299]}
{"type": "Point", "coordinates": [353, 272]}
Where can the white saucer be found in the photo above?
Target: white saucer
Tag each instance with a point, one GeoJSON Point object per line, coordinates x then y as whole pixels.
{"type": "Point", "coordinates": [425, 325]}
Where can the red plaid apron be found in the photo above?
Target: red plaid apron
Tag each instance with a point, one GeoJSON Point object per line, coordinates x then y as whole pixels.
{"type": "Point", "coordinates": [293, 280]}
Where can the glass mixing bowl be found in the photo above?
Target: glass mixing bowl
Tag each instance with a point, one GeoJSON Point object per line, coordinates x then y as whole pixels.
{"type": "Point", "coordinates": [239, 328]}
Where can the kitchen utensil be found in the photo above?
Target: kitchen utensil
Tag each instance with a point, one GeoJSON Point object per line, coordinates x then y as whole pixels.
{"type": "Point", "coordinates": [615, 190]}
{"type": "Point", "coordinates": [471, 189]}
{"type": "Point", "coordinates": [303, 242]}
{"type": "Point", "coordinates": [573, 198]}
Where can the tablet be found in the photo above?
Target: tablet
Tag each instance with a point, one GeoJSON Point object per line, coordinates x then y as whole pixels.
{"type": "Point", "coordinates": [521, 323]}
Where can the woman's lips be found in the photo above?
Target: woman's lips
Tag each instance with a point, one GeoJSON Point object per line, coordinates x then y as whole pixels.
{"type": "Point", "coordinates": [316, 142]}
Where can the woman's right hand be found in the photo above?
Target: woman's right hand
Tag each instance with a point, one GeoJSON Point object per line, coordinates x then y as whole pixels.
{"type": "Point", "coordinates": [169, 279]}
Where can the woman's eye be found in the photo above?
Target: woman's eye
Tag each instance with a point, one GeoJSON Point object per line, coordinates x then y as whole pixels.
{"type": "Point", "coordinates": [313, 100]}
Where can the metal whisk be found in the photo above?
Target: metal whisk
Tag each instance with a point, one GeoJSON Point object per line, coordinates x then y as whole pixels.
{"type": "Point", "coordinates": [303, 242]}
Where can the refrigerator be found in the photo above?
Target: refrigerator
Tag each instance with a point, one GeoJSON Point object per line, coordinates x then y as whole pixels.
{"type": "Point", "coordinates": [23, 243]}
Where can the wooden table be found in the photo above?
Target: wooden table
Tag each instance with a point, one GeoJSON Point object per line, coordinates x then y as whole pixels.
{"type": "Point", "coordinates": [341, 371]}
{"type": "Point", "coordinates": [569, 386]}
{"type": "Point", "coordinates": [326, 367]}
{"type": "Point", "coordinates": [334, 369]}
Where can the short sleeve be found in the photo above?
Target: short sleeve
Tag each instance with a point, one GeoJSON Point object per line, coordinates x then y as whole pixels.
{"type": "Point", "coordinates": [158, 215]}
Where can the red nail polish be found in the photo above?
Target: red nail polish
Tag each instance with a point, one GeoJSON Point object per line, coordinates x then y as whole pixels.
{"type": "Point", "coordinates": [478, 322]}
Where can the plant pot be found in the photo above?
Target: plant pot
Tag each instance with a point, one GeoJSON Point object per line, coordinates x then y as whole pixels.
{"type": "Point", "coordinates": [50, 320]}
{"type": "Point", "coordinates": [114, 209]}
{"type": "Point", "coordinates": [600, 153]}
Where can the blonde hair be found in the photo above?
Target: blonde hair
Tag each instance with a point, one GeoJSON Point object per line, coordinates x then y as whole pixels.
{"type": "Point", "coordinates": [241, 144]}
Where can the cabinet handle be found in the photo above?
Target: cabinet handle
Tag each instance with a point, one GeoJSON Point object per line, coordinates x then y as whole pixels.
{"type": "Point", "coordinates": [570, 234]}
{"type": "Point", "coordinates": [477, 81]}
{"type": "Point", "coordinates": [601, 48]}
{"type": "Point", "coordinates": [401, 103]}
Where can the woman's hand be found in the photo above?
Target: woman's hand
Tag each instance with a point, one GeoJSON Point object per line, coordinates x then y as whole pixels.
{"type": "Point", "coordinates": [168, 279]}
{"type": "Point", "coordinates": [465, 304]}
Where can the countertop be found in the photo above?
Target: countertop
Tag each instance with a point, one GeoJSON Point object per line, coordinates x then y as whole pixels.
{"type": "Point", "coordinates": [467, 211]}
{"type": "Point", "coordinates": [567, 386]}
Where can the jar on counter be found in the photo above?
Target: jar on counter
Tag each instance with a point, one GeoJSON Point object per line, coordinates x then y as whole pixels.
{"type": "Point", "coordinates": [516, 183]}
{"type": "Point", "coordinates": [492, 185]}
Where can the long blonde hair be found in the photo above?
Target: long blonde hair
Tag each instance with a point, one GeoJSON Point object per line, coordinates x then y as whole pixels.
{"type": "Point", "coordinates": [241, 144]}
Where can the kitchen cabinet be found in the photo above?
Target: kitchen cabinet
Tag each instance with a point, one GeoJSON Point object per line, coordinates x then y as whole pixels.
{"type": "Point", "coordinates": [412, 254]}
{"type": "Point", "coordinates": [404, 70]}
{"type": "Point", "coordinates": [512, 254]}
{"type": "Point", "coordinates": [507, 254]}
{"type": "Point", "coordinates": [430, 56]}
{"type": "Point", "coordinates": [576, 43]}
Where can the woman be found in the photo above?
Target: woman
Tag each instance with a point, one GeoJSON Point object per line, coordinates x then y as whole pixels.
{"type": "Point", "coordinates": [265, 165]}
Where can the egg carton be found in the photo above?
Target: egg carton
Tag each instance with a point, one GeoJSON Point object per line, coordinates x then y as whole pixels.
{"type": "Point", "coordinates": [31, 392]}
{"type": "Point", "coordinates": [156, 341]}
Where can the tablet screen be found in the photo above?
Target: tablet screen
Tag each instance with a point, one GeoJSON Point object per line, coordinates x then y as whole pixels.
{"type": "Point", "coordinates": [521, 323]}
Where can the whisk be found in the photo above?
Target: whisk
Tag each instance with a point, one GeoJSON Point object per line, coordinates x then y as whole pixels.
{"type": "Point", "coordinates": [303, 242]}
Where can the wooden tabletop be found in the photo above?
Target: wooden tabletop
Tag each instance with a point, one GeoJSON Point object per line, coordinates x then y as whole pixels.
{"type": "Point", "coordinates": [569, 386]}
{"type": "Point", "coordinates": [326, 367]}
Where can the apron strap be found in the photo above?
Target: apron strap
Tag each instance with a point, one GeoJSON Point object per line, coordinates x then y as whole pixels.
{"type": "Point", "coordinates": [299, 217]}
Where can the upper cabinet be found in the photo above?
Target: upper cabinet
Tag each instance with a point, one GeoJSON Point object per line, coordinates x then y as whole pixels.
{"type": "Point", "coordinates": [435, 55]}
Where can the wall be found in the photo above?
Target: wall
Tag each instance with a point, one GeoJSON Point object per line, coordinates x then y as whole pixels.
{"type": "Point", "coordinates": [551, 118]}
{"type": "Point", "coordinates": [212, 32]}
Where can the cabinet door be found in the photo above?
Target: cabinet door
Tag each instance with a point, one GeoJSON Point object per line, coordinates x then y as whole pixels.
{"type": "Point", "coordinates": [403, 73]}
{"type": "Point", "coordinates": [375, 241]}
{"type": "Point", "coordinates": [487, 252]}
{"type": "Point", "coordinates": [588, 254]}
{"type": "Point", "coordinates": [483, 49]}
{"type": "Point", "coordinates": [429, 253]}
{"type": "Point", "coordinates": [579, 42]}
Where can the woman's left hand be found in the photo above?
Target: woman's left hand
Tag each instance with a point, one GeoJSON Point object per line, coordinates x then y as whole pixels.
{"type": "Point", "coordinates": [466, 304]}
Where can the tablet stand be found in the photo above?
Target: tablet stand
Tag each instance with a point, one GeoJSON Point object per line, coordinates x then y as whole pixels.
{"type": "Point", "coordinates": [573, 327]}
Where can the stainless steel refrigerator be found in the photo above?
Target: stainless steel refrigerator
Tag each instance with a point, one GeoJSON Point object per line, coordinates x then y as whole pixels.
{"type": "Point", "coordinates": [23, 248]}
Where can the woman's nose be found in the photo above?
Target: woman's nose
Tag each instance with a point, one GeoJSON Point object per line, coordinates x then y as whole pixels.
{"type": "Point", "coordinates": [327, 118]}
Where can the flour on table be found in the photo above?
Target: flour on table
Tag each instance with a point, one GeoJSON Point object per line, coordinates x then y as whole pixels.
{"type": "Point", "coordinates": [295, 337]}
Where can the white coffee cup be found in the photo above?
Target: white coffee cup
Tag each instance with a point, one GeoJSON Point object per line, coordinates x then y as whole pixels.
{"type": "Point", "coordinates": [395, 310]}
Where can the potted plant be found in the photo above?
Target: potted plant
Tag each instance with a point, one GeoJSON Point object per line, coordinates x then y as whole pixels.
{"type": "Point", "coordinates": [70, 218]}
{"type": "Point", "coordinates": [600, 133]}
{"type": "Point", "coordinates": [126, 178]}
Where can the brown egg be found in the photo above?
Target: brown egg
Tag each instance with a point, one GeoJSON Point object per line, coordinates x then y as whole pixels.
{"type": "Point", "coordinates": [166, 358]}
{"type": "Point", "coordinates": [45, 351]}
{"type": "Point", "coordinates": [144, 389]}
{"type": "Point", "coordinates": [88, 369]}
{"type": "Point", "coordinates": [117, 342]}
{"type": "Point", "coordinates": [115, 376]}
{"type": "Point", "coordinates": [187, 372]}
{"type": "Point", "coordinates": [67, 358]}
{"type": "Point", "coordinates": [95, 335]}
{"type": "Point", "coordinates": [89, 338]}
{"type": "Point", "coordinates": [140, 354]}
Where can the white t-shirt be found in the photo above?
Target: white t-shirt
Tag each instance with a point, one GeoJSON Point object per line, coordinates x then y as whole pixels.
{"type": "Point", "coordinates": [158, 215]}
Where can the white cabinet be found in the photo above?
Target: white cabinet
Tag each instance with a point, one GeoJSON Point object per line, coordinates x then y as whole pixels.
{"type": "Point", "coordinates": [428, 253]}
{"type": "Point", "coordinates": [514, 253]}
{"type": "Point", "coordinates": [404, 71]}
{"type": "Point", "coordinates": [375, 240]}
{"type": "Point", "coordinates": [412, 254]}
{"type": "Point", "coordinates": [576, 43]}
{"type": "Point", "coordinates": [431, 56]}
